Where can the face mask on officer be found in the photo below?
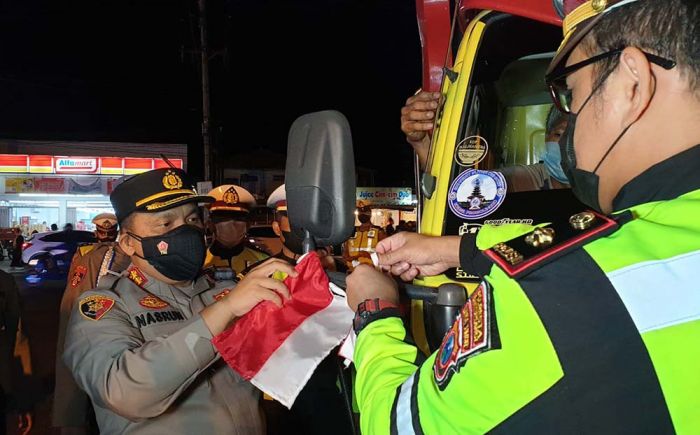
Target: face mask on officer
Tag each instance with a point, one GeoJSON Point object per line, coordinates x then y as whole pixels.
{"type": "Point", "coordinates": [178, 254]}
{"type": "Point", "coordinates": [364, 217]}
{"type": "Point", "coordinates": [289, 239]}
{"type": "Point", "coordinates": [229, 231]}
{"type": "Point", "coordinates": [552, 162]}
{"type": "Point", "coordinates": [293, 242]}
{"type": "Point", "coordinates": [106, 235]}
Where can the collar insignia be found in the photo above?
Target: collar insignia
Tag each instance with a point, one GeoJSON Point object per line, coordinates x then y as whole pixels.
{"type": "Point", "coordinates": [138, 278]}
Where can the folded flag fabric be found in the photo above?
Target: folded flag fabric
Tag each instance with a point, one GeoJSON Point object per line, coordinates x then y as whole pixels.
{"type": "Point", "coordinates": [278, 349]}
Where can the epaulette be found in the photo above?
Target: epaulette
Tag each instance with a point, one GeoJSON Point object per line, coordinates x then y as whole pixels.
{"type": "Point", "coordinates": [86, 249]}
{"type": "Point", "coordinates": [522, 255]}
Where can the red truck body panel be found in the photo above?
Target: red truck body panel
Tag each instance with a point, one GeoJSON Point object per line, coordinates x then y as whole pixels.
{"type": "Point", "coordinates": [434, 23]}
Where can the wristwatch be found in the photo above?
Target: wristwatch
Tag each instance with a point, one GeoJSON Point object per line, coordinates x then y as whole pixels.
{"type": "Point", "coordinates": [370, 310]}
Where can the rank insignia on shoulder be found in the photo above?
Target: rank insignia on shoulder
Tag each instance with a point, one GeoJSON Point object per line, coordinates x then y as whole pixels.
{"type": "Point", "coordinates": [152, 302]}
{"type": "Point", "coordinates": [86, 249]}
{"type": "Point", "coordinates": [219, 296]}
{"type": "Point", "coordinates": [95, 307]}
{"type": "Point", "coordinates": [78, 275]}
{"type": "Point", "coordinates": [473, 332]}
{"type": "Point", "coordinates": [135, 275]}
{"type": "Point", "coordinates": [524, 254]}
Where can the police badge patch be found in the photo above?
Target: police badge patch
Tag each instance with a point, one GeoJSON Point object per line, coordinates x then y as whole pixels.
{"type": "Point", "coordinates": [152, 302]}
{"type": "Point", "coordinates": [473, 332]}
{"type": "Point", "coordinates": [78, 275]}
{"type": "Point", "coordinates": [475, 194]}
{"type": "Point", "coordinates": [95, 307]}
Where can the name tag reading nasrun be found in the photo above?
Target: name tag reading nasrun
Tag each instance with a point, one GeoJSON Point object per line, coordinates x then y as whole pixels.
{"type": "Point", "coordinates": [146, 319]}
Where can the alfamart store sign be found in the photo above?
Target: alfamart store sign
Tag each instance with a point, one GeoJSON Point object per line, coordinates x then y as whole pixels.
{"type": "Point", "coordinates": [35, 164]}
{"type": "Point", "coordinates": [68, 165]}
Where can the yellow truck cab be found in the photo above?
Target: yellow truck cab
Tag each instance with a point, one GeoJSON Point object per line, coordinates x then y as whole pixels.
{"type": "Point", "coordinates": [493, 117]}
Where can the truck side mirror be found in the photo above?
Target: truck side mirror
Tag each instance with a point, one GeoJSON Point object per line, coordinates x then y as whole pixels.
{"type": "Point", "coordinates": [320, 179]}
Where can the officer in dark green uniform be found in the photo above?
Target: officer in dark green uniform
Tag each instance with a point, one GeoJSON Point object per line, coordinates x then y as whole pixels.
{"type": "Point", "coordinates": [590, 325]}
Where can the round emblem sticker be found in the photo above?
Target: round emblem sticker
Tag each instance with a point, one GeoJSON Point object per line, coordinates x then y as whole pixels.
{"type": "Point", "coordinates": [471, 150]}
{"type": "Point", "coordinates": [475, 194]}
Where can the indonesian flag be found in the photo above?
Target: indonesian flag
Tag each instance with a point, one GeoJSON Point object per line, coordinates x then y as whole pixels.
{"type": "Point", "coordinates": [278, 349]}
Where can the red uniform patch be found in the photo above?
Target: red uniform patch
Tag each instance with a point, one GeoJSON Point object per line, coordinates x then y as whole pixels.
{"type": "Point", "coordinates": [219, 296]}
{"type": "Point", "coordinates": [153, 302]}
{"type": "Point", "coordinates": [135, 275]}
{"type": "Point", "coordinates": [473, 332]}
{"type": "Point", "coordinates": [95, 307]}
{"type": "Point", "coordinates": [78, 275]}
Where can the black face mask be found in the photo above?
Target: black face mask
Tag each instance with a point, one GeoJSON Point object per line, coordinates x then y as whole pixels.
{"type": "Point", "coordinates": [364, 218]}
{"type": "Point", "coordinates": [178, 254]}
{"type": "Point", "coordinates": [293, 242]}
{"type": "Point", "coordinates": [584, 184]}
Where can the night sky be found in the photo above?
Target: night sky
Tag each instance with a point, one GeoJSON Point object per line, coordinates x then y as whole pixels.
{"type": "Point", "coordinates": [128, 71]}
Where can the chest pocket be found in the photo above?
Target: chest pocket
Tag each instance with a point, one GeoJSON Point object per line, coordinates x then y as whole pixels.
{"type": "Point", "coordinates": [158, 323]}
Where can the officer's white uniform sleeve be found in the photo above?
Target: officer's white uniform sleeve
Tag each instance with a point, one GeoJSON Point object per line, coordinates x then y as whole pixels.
{"type": "Point", "coordinates": [135, 378]}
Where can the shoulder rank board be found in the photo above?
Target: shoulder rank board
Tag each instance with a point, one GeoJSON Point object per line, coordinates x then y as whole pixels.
{"type": "Point", "coordinates": [522, 255]}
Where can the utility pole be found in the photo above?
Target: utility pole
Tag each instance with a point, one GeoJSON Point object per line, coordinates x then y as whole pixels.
{"type": "Point", "coordinates": [204, 53]}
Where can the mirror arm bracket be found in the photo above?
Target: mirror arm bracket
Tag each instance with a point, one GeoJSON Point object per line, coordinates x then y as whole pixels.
{"type": "Point", "coordinates": [427, 184]}
{"type": "Point", "coordinates": [308, 244]}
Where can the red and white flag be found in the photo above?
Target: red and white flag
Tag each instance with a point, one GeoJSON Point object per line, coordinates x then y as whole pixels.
{"type": "Point", "coordinates": [278, 349]}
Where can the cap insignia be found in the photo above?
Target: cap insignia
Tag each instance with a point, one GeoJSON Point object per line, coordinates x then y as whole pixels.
{"type": "Point", "coordinates": [231, 196]}
{"type": "Point", "coordinates": [172, 181]}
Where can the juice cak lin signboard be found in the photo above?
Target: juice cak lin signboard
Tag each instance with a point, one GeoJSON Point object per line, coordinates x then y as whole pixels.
{"type": "Point", "coordinates": [385, 195]}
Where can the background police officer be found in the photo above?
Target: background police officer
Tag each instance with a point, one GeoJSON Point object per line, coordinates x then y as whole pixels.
{"type": "Point", "coordinates": [358, 248]}
{"type": "Point", "coordinates": [228, 219]}
{"type": "Point", "coordinates": [319, 408]}
{"type": "Point", "coordinates": [15, 361]}
{"type": "Point", "coordinates": [584, 326]}
{"type": "Point", "coordinates": [140, 344]}
{"type": "Point", "coordinates": [71, 410]}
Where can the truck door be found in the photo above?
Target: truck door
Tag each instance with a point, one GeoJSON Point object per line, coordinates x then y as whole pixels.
{"type": "Point", "coordinates": [493, 117]}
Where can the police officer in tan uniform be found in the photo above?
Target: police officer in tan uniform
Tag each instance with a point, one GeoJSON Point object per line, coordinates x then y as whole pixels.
{"type": "Point", "coordinates": [362, 244]}
{"type": "Point", "coordinates": [140, 343]}
{"type": "Point", "coordinates": [228, 219]}
{"type": "Point", "coordinates": [90, 263]}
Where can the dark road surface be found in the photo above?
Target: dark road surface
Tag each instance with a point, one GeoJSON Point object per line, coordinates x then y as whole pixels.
{"type": "Point", "coordinates": [40, 320]}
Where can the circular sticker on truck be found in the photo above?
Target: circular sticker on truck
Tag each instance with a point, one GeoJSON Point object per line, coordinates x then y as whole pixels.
{"type": "Point", "coordinates": [475, 194]}
{"type": "Point", "coordinates": [471, 150]}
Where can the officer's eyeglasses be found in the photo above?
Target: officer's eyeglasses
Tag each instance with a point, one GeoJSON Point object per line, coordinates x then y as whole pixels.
{"type": "Point", "coordinates": [556, 81]}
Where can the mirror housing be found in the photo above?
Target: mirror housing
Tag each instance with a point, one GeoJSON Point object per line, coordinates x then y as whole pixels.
{"type": "Point", "coordinates": [320, 179]}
